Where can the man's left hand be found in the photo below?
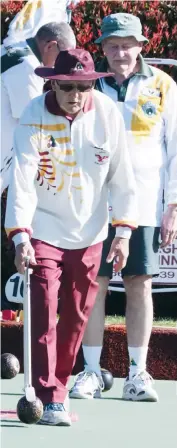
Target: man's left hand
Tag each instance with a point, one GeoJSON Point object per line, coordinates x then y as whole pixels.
{"type": "Point", "coordinates": [169, 226]}
{"type": "Point", "coordinates": [120, 249]}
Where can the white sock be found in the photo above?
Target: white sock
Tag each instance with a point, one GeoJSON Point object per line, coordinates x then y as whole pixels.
{"type": "Point", "coordinates": [92, 359]}
{"type": "Point", "coordinates": [137, 356]}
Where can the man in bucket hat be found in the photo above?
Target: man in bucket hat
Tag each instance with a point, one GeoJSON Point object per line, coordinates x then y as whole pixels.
{"type": "Point", "coordinates": [146, 96]}
{"type": "Point", "coordinates": [121, 25]}
{"type": "Point", "coordinates": [66, 159]}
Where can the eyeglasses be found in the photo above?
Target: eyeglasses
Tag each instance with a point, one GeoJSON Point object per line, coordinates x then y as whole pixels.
{"type": "Point", "coordinates": [79, 87]}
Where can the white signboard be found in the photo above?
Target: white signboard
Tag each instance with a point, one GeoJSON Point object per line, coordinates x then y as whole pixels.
{"type": "Point", "coordinates": [167, 267]}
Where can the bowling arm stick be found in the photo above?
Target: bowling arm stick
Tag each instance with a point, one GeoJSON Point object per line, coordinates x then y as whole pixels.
{"type": "Point", "coordinates": [29, 390]}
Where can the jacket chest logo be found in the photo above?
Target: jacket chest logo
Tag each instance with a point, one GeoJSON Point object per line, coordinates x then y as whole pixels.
{"type": "Point", "coordinates": [101, 156]}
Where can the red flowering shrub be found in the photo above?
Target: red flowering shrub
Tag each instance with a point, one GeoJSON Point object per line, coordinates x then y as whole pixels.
{"type": "Point", "coordinates": [8, 11]}
{"type": "Point", "coordinates": [159, 20]}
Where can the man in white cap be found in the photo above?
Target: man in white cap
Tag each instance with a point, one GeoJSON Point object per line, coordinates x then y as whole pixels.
{"type": "Point", "coordinates": [147, 98]}
{"type": "Point", "coordinates": [66, 159]}
{"type": "Point", "coordinates": [21, 52]}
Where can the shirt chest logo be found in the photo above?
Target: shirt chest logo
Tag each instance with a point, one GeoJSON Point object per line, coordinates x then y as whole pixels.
{"type": "Point", "coordinates": [150, 92]}
{"type": "Point", "coordinates": [101, 156]}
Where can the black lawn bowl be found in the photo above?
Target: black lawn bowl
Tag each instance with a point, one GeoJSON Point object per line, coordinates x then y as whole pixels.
{"type": "Point", "coordinates": [10, 366]}
{"type": "Point", "coordinates": [108, 379]}
{"type": "Point", "coordinates": [29, 412]}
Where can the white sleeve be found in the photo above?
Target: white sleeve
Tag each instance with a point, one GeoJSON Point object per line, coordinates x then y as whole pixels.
{"type": "Point", "coordinates": [8, 125]}
{"type": "Point", "coordinates": [170, 120]}
{"type": "Point", "coordinates": [123, 232]}
{"type": "Point", "coordinates": [121, 181]}
{"type": "Point", "coordinates": [22, 197]}
{"type": "Point", "coordinates": [22, 85]}
{"type": "Point", "coordinates": [21, 237]}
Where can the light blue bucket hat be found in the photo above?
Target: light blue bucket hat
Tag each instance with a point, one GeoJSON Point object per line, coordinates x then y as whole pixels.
{"type": "Point", "coordinates": [121, 25]}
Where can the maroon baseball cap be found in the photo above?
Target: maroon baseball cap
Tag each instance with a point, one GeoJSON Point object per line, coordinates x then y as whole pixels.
{"type": "Point", "coordinates": [72, 65]}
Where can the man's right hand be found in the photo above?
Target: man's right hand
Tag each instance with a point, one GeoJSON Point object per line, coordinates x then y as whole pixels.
{"type": "Point", "coordinates": [22, 251]}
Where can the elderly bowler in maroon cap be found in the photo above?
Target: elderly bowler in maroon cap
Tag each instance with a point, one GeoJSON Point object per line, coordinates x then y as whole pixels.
{"type": "Point", "coordinates": [67, 159]}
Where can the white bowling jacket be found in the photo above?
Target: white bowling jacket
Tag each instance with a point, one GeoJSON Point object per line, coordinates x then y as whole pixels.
{"type": "Point", "coordinates": [62, 173]}
{"type": "Point", "coordinates": [19, 85]}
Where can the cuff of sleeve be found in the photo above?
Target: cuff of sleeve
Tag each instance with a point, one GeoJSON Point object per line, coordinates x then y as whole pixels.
{"type": "Point", "coordinates": [21, 237]}
{"type": "Point", "coordinates": [123, 232]}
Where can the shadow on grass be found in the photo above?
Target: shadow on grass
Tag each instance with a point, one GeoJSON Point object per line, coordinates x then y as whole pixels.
{"type": "Point", "coordinates": [15, 424]}
{"type": "Point", "coordinates": [12, 426]}
{"type": "Point", "coordinates": [111, 398]}
{"type": "Point", "coordinates": [5, 393]}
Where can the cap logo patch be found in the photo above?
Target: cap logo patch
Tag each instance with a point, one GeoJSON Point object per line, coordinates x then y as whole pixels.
{"type": "Point", "coordinates": [78, 66]}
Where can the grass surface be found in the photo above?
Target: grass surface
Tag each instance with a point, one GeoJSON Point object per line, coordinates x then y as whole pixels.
{"type": "Point", "coordinates": [120, 320]}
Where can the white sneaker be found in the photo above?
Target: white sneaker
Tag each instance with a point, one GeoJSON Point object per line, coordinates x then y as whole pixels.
{"type": "Point", "coordinates": [55, 414]}
{"type": "Point", "coordinates": [87, 385]}
{"type": "Point", "coordinates": [139, 388]}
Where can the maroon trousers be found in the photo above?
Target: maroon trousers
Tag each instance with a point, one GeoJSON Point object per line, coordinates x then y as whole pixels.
{"type": "Point", "coordinates": [70, 274]}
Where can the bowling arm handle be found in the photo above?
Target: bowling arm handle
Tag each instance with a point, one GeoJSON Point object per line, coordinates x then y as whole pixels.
{"type": "Point", "coordinates": [27, 334]}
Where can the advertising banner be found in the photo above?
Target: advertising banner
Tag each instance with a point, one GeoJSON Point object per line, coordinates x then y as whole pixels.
{"type": "Point", "coordinates": [167, 268]}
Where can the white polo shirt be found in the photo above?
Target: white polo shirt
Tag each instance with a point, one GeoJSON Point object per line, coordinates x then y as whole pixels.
{"type": "Point", "coordinates": [19, 85]}
{"type": "Point", "coordinates": [149, 109]}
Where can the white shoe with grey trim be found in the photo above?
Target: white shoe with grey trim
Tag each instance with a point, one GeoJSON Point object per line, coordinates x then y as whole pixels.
{"type": "Point", "coordinates": [87, 385]}
{"type": "Point", "coordinates": [55, 414]}
{"type": "Point", "coordinates": [139, 388]}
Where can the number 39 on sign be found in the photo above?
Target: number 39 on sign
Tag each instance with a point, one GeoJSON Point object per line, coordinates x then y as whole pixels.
{"type": "Point", "coordinates": [14, 288]}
